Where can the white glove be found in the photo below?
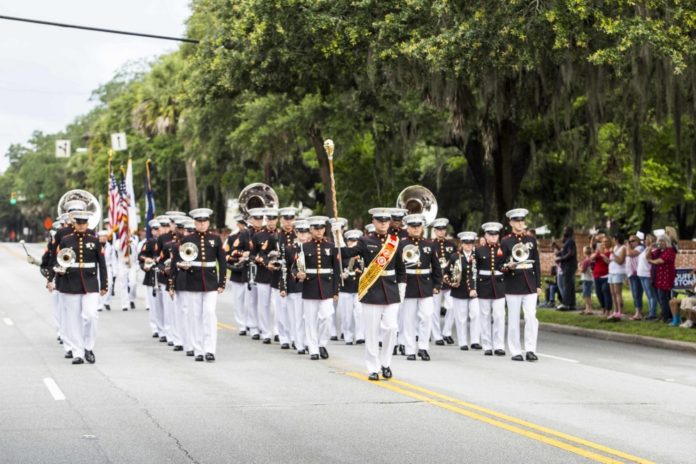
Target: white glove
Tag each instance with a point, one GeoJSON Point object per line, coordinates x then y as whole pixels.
{"type": "Point", "coordinates": [402, 291]}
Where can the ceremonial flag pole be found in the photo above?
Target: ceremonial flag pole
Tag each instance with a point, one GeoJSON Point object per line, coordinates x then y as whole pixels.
{"type": "Point", "coordinates": [338, 239]}
{"type": "Point", "coordinates": [149, 201]}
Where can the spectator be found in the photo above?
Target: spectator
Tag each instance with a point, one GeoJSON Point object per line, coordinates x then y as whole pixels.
{"type": "Point", "coordinates": [635, 248]}
{"type": "Point", "coordinates": [586, 279]}
{"type": "Point", "coordinates": [551, 289]}
{"type": "Point", "coordinates": [617, 275]}
{"type": "Point", "coordinates": [671, 232]}
{"type": "Point", "coordinates": [662, 258]}
{"type": "Point", "coordinates": [600, 272]}
{"type": "Point", "coordinates": [688, 305]}
{"type": "Point", "coordinates": [644, 272]}
{"type": "Point", "coordinates": [567, 259]}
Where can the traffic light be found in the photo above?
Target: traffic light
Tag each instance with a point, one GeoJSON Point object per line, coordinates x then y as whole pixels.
{"type": "Point", "coordinates": [13, 198]}
{"type": "Point", "coordinates": [41, 196]}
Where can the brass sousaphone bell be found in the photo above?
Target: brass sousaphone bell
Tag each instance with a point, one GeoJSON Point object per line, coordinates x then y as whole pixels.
{"type": "Point", "coordinates": [93, 206]}
{"type": "Point", "coordinates": [417, 199]}
{"type": "Point", "coordinates": [257, 195]}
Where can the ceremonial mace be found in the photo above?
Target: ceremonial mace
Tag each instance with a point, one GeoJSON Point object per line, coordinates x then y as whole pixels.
{"type": "Point", "coordinates": [338, 239]}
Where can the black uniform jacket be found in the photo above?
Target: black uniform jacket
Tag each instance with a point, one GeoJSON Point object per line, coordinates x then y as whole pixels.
{"type": "Point", "coordinates": [446, 250]}
{"type": "Point", "coordinates": [283, 241]}
{"type": "Point", "coordinates": [167, 252]}
{"type": "Point", "coordinates": [386, 290]}
{"type": "Point", "coordinates": [148, 251]}
{"type": "Point", "coordinates": [468, 282]}
{"type": "Point", "coordinates": [351, 278]}
{"type": "Point", "coordinates": [237, 244]}
{"type": "Point", "coordinates": [426, 275]}
{"type": "Point", "coordinates": [522, 281]}
{"type": "Point", "coordinates": [53, 248]}
{"type": "Point", "coordinates": [262, 242]}
{"type": "Point", "coordinates": [320, 255]}
{"type": "Point", "coordinates": [201, 277]}
{"type": "Point", "coordinates": [489, 258]}
{"type": "Point", "coordinates": [88, 252]}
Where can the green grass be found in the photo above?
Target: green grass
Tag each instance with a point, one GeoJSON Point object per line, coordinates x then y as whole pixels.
{"type": "Point", "coordinates": [647, 328]}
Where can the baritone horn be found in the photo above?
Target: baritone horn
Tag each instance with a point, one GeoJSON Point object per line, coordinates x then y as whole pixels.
{"type": "Point", "coordinates": [188, 252]}
{"type": "Point", "coordinates": [93, 206]}
{"type": "Point", "coordinates": [417, 199]}
{"type": "Point", "coordinates": [65, 259]}
{"type": "Point", "coordinates": [411, 255]}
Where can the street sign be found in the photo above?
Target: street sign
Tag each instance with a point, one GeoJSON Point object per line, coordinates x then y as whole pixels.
{"type": "Point", "coordinates": [62, 148]}
{"type": "Point", "coordinates": [118, 141]}
{"type": "Point", "coordinates": [48, 223]}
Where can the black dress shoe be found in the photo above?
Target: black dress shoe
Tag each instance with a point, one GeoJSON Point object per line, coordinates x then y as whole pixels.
{"type": "Point", "coordinates": [334, 338]}
{"type": "Point", "coordinates": [323, 353]}
{"type": "Point", "coordinates": [256, 337]}
{"type": "Point", "coordinates": [266, 341]}
{"type": "Point", "coordinates": [163, 339]}
{"type": "Point", "coordinates": [359, 341]}
{"type": "Point", "coordinates": [209, 357]}
{"type": "Point", "coordinates": [107, 307]}
{"type": "Point", "coordinates": [199, 358]}
{"type": "Point", "coordinates": [449, 340]}
{"type": "Point", "coordinates": [124, 309]}
{"type": "Point", "coordinates": [68, 355]}
{"type": "Point", "coordinates": [386, 372]}
{"type": "Point", "coordinates": [276, 338]}
{"type": "Point", "coordinates": [89, 356]}
{"type": "Point", "coordinates": [464, 348]}
{"type": "Point", "coordinates": [285, 346]}
{"type": "Point", "coordinates": [475, 346]}
{"type": "Point", "coordinates": [78, 361]}
{"type": "Point", "coordinates": [396, 350]}
{"type": "Point", "coordinates": [411, 357]}
{"type": "Point", "coordinates": [155, 335]}
{"type": "Point", "coordinates": [293, 346]}
{"type": "Point", "coordinates": [380, 344]}
{"type": "Point", "coordinates": [132, 305]}
{"type": "Point", "coordinates": [60, 341]}
{"type": "Point", "coordinates": [423, 354]}
{"type": "Point", "coordinates": [488, 353]}
{"type": "Point", "coordinates": [517, 357]}
{"type": "Point", "coordinates": [178, 348]}
{"type": "Point", "coordinates": [242, 333]}
{"type": "Point", "coordinates": [349, 343]}
{"type": "Point", "coordinates": [499, 352]}
{"type": "Point", "coordinates": [440, 342]}
{"type": "Point", "coordinates": [530, 356]}
{"type": "Point", "coordinates": [170, 343]}
{"type": "Point", "coordinates": [147, 309]}
{"type": "Point", "coordinates": [314, 357]}
{"type": "Point", "coordinates": [100, 310]}
{"type": "Point", "coordinates": [342, 337]}
{"type": "Point", "coordinates": [374, 376]}
{"type": "Point", "coordinates": [189, 353]}
{"type": "Point", "coordinates": [301, 351]}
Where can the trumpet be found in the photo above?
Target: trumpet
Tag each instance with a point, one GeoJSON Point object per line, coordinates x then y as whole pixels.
{"type": "Point", "coordinates": [65, 258]}
{"type": "Point", "coordinates": [411, 255]}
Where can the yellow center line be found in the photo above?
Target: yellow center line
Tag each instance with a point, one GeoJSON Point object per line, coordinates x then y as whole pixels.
{"type": "Point", "coordinates": [222, 325]}
{"type": "Point", "coordinates": [390, 385]}
{"type": "Point", "coordinates": [524, 423]}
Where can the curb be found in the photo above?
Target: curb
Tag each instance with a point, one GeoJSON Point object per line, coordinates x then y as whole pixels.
{"type": "Point", "coordinates": [619, 337]}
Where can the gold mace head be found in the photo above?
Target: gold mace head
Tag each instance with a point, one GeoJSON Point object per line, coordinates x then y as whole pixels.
{"type": "Point", "coordinates": [329, 147]}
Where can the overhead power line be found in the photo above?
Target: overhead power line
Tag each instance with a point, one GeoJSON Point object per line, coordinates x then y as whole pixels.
{"type": "Point", "coordinates": [98, 29]}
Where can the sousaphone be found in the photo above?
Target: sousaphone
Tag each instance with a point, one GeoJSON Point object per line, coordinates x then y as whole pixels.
{"type": "Point", "coordinates": [93, 206]}
{"type": "Point", "coordinates": [257, 195]}
{"type": "Point", "coordinates": [417, 199]}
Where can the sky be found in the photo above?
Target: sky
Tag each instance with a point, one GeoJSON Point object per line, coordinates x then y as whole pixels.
{"type": "Point", "coordinates": [47, 74]}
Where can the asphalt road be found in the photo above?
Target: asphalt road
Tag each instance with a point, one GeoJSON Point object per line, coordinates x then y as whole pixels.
{"type": "Point", "coordinates": [585, 400]}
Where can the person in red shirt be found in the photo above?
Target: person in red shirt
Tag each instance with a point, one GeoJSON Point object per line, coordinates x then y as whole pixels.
{"type": "Point", "coordinates": [662, 258]}
{"type": "Point", "coordinates": [600, 274]}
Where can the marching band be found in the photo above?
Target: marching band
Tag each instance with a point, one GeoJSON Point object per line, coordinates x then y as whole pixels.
{"type": "Point", "coordinates": [303, 282]}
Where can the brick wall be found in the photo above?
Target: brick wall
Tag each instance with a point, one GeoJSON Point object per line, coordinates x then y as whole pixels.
{"type": "Point", "coordinates": [685, 259]}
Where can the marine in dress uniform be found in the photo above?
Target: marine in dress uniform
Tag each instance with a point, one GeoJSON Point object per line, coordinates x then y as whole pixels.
{"type": "Point", "coordinates": [110, 258]}
{"type": "Point", "coordinates": [165, 236]}
{"type": "Point", "coordinates": [380, 301]}
{"type": "Point", "coordinates": [284, 240]}
{"type": "Point", "coordinates": [256, 227]}
{"type": "Point", "coordinates": [369, 229]}
{"type": "Point", "coordinates": [339, 229]}
{"type": "Point", "coordinates": [349, 308]}
{"type": "Point", "coordinates": [172, 318]}
{"type": "Point", "coordinates": [445, 251]}
{"type": "Point", "coordinates": [81, 283]}
{"type": "Point", "coordinates": [237, 252]}
{"type": "Point", "coordinates": [292, 287]}
{"type": "Point", "coordinates": [320, 282]}
{"type": "Point", "coordinates": [522, 286]}
{"type": "Point", "coordinates": [46, 271]}
{"type": "Point", "coordinates": [263, 242]}
{"type": "Point", "coordinates": [465, 304]}
{"type": "Point", "coordinates": [423, 278]}
{"type": "Point", "coordinates": [490, 287]}
{"type": "Point", "coordinates": [147, 260]}
{"type": "Point", "coordinates": [205, 279]}
{"type": "Point", "coordinates": [397, 222]}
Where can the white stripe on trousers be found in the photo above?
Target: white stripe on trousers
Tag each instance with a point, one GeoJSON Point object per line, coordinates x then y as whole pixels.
{"type": "Point", "coordinates": [183, 325]}
{"type": "Point", "coordinates": [492, 336]}
{"type": "Point", "coordinates": [350, 314]}
{"type": "Point", "coordinates": [467, 317]}
{"type": "Point", "coordinates": [252, 317]}
{"type": "Point", "coordinates": [379, 319]}
{"type": "Point", "coordinates": [299, 331]}
{"type": "Point", "coordinates": [169, 307]}
{"type": "Point", "coordinates": [282, 316]}
{"type": "Point", "coordinates": [317, 315]}
{"type": "Point", "coordinates": [55, 302]}
{"type": "Point", "coordinates": [531, 324]}
{"type": "Point", "coordinates": [435, 329]}
{"type": "Point", "coordinates": [80, 321]}
{"type": "Point", "coordinates": [63, 321]}
{"type": "Point", "coordinates": [239, 292]}
{"type": "Point", "coordinates": [263, 310]}
{"type": "Point", "coordinates": [417, 314]}
{"type": "Point", "coordinates": [204, 320]}
{"type": "Point", "coordinates": [154, 302]}
{"type": "Point", "coordinates": [450, 315]}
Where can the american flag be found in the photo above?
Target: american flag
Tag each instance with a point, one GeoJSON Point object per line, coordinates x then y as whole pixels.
{"type": "Point", "coordinates": [114, 200]}
{"type": "Point", "coordinates": [122, 216]}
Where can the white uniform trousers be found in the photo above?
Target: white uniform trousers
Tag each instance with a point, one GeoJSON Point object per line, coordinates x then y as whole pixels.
{"type": "Point", "coordinates": [400, 334]}
{"type": "Point", "coordinates": [155, 313]}
{"type": "Point", "coordinates": [350, 314]}
{"type": "Point", "coordinates": [282, 316]}
{"type": "Point", "coordinates": [450, 315]}
{"type": "Point", "coordinates": [467, 317]}
{"type": "Point", "coordinates": [122, 284]}
{"type": "Point", "coordinates": [62, 318]}
{"type": "Point", "coordinates": [332, 323]}
{"type": "Point", "coordinates": [81, 321]}
{"type": "Point", "coordinates": [492, 335]}
{"type": "Point", "coordinates": [55, 302]}
{"type": "Point", "coordinates": [263, 310]}
{"type": "Point", "coordinates": [296, 312]}
{"type": "Point", "coordinates": [181, 322]}
{"type": "Point", "coordinates": [435, 327]}
{"type": "Point", "coordinates": [132, 283]}
{"type": "Point", "coordinates": [252, 313]}
{"type": "Point", "coordinates": [531, 325]}
{"type": "Point", "coordinates": [418, 316]}
{"type": "Point", "coordinates": [239, 292]}
{"type": "Point", "coordinates": [379, 319]}
{"type": "Point", "coordinates": [106, 299]}
{"type": "Point", "coordinates": [169, 308]}
{"type": "Point", "coordinates": [201, 305]}
{"type": "Point", "coordinates": [317, 315]}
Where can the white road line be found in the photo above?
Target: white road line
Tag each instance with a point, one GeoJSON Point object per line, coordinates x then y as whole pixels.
{"type": "Point", "coordinates": [574, 361]}
{"type": "Point", "coordinates": [8, 321]}
{"type": "Point", "coordinates": [54, 389]}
